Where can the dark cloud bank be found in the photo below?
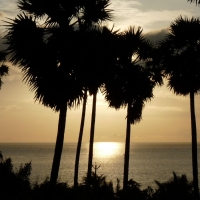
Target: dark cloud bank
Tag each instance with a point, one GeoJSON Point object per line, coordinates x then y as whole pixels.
{"type": "Point", "coordinates": [157, 35]}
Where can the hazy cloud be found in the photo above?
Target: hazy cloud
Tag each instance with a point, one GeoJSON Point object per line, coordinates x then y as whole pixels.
{"type": "Point", "coordinates": [1, 14]}
{"type": "Point", "coordinates": [157, 35]}
{"type": "Point", "coordinates": [147, 14]}
{"type": "Point", "coordinates": [167, 108]}
{"type": "Point", "coordinates": [9, 108]}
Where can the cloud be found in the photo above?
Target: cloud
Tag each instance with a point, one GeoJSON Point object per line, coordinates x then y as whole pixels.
{"type": "Point", "coordinates": [156, 35]}
{"type": "Point", "coordinates": [167, 108]}
{"type": "Point", "coordinates": [8, 7]}
{"type": "Point", "coordinates": [166, 94]}
{"type": "Point", "coordinates": [127, 13]}
{"type": "Point", "coordinates": [1, 14]}
{"type": "Point", "coordinates": [9, 108]}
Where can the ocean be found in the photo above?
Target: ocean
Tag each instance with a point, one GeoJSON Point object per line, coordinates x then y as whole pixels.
{"type": "Point", "coordinates": [148, 162]}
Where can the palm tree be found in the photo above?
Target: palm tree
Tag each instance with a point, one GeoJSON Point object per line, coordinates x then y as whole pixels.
{"type": "Point", "coordinates": [181, 64]}
{"type": "Point", "coordinates": [132, 82]}
{"type": "Point", "coordinates": [41, 52]}
{"type": "Point", "coordinates": [94, 14]}
{"type": "Point", "coordinates": [96, 59]}
{"type": "Point", "coordinates": [78, 150]}
{"type": "Point", "coordinates": [3, 67]}
{"type": "Point", "coordinates": [96, 62]}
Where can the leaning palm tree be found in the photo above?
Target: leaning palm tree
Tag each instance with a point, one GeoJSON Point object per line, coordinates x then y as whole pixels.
{"type": "Point", "coordinates": [132, 82]}
{"type": "Point", "coordinates": [3, 67]}
{"type": "Point", "coordinates": [181, 64]}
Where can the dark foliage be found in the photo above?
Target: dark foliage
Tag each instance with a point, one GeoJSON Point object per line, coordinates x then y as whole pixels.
{"type": "Point", "coordinates": [177, 187]}
{"type": "Point", "coordinates": [132, 191]}
{"type": "Point", "coordinates": [180, 56]}
{"type": "Point", "coordinates": [3, 68]}
{"type": "Point", "coordinates": [14, 184]}
{"type": "Point", "coordinates": [180, 60]}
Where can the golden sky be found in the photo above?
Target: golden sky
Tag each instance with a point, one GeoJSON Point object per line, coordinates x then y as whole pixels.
{"type": "Point", "coordinates": [165, 119]}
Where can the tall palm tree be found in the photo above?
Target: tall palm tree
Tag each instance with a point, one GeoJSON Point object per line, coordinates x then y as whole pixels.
{"type": "Point", "coordinates": [132, 83]}
{"type": "Point", "coordinates": [78, 149]}
{"type": "Point", "coordinates": [96, 62]}
{"type": "Point", "coordinates": [181, 64]}
{"type": "Point", "coordinates": [94, 14]}
{"type": "Point", "coordinates": [46, 55]}
{"type": "Point", "coordinates": [3, 67]}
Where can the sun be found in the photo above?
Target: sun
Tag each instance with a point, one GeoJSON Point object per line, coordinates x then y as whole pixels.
{"type": "Point", "coordinates": [106, 149]}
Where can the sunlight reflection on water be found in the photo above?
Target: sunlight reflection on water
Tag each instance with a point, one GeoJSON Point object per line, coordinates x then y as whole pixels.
{"type": "Point", "coordinates": [106, 149]}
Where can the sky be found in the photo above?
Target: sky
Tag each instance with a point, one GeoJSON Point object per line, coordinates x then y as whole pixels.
{"type": "Point", "coordinates": [166, 118]}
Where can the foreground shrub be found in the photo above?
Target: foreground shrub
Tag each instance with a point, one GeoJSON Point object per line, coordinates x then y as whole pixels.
{"type": "Point", "coordinates": [43, 191]}
{"type": "Point", "coordinates": [133, 191]}
{"type": "Point", "coordinates": [14, 184]}
{"type": "Point", "coordinates": [176, 188]}
{"type": "Point", "coordinates": [100, 188]}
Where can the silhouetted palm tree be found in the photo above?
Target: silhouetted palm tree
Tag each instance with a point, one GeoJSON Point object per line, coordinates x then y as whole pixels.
{"type": "Point", "coordinates": [97, 60]}
{"type": "Point", "coordinates": [46, 55]}
{"type": "Point", "coordinates": [132, 83]}
{"type": "Point", "coordinates": [3, 67]}
{"type": "Point", "coordinates": [94, 14]}
{"type": "Point", "coordinates": [181, 63]}
{"type": "Point", "coordinates": [78, 149]}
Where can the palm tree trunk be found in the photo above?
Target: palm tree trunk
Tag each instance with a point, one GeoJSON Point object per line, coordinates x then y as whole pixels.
{"type": "Point", "coordinates": [127, 148]}
{"type": "Point", "coordinates": [194, 146]}
{"type": "Point", "coordinates": [78, 150]}
{"type": "Point", "coordinates": [59, 145]}
{"type": "Point", "coordinates": [90, 157]}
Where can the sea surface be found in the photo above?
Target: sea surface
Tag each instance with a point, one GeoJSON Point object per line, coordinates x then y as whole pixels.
{"type": "Point", "coordinates": [148, 162]}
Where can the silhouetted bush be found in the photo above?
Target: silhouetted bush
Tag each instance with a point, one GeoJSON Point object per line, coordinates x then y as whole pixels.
{"type": "Point", "coordinates": [177, 187]}
{"type": "Point", "coordinates": [100, 188]}
{"type": "Point", "coordinates": [14, 184]}
{"type": "Point", "coordinates": [43, 191]}
{"type": "Point", "coordinates": [133, 191]}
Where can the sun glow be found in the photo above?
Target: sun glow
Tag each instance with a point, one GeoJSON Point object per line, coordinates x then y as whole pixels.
{"type": "Point", "coordinates": [106, 149]}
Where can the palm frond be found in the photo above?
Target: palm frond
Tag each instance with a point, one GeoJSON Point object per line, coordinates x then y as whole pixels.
{"type": "Point", "coordinates": [37, 8]}
{"type": "Point", "coordinates": [25, 40]}
{"type": "Point", "coordinates": [95, 11]}
{"type": "Point", "coordinates": [3, 68]}
{"type": "Point", "coordinates": [135, 112]}
{"type": "Point", "coordinates": [196, 1]}
{"type": "Point", "coordinates": [180, 55]}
